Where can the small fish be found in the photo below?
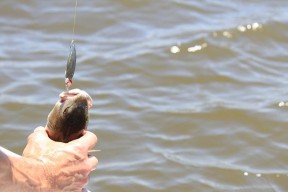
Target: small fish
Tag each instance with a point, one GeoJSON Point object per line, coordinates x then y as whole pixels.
{"type": "Point", "coordinates": [71, 65]}
{"type": "Point", "coordinates": [70, 116]}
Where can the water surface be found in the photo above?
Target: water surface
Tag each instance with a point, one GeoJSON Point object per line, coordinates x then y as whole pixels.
{"type": "Point", "coordinates": [188, 95]}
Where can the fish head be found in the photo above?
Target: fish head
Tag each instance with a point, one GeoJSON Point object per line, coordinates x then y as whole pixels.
{"type": "Point", "coordinates": [70, 115]}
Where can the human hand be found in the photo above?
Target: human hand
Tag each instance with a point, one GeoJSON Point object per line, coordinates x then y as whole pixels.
{"type": "Point", "coordinates": [66, 166]}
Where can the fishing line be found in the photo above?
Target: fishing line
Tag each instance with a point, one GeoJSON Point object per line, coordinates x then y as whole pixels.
{"type": "Point", "coordinates": [74, 23]}
{"type": "Point", "coordinates": [71, 61]}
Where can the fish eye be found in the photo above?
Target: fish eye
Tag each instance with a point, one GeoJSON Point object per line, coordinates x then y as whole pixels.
{"type": "Point", "coordinates": [66, 110]}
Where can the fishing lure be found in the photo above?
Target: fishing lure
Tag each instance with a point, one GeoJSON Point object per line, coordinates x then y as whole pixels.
{"type": "Point", "coordinates": [71, 65]}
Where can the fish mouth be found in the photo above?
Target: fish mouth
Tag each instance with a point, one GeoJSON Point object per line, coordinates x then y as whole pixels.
{"type": "Point", "coordinates": [74, 96]}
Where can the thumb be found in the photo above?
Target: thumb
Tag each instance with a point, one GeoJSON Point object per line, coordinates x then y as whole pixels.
{"type": "Point", "coordinates": [39, 134]}
{"type": "Point", "coordinates": [40, 128]}
{"type": "Point", "coordinates": [36, 142]}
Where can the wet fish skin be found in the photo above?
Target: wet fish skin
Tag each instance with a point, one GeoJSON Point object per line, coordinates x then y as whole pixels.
{"type": "Point", "coordinates": [70, 115]}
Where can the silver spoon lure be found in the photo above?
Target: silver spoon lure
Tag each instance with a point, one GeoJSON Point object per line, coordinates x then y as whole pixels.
{"type": "Point", "coordinates": [71, 65]}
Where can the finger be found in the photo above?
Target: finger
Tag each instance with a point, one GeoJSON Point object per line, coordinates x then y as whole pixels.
{"type": "Point", "coordinates": [41, 132]}
{"type": "Point", "coordinates": [87, 141]}
{"type": "Point", "coordinates": [92, 162]}
{"type": "Point", "coordinates": [38, 136]}
{"type": "Point", "coordinates": [38, 132]}
{"type": "Point", "coordinates": [40, 128]}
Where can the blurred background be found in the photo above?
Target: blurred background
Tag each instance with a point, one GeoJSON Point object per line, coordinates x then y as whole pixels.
{"type": "Point", "coordinates": [188, 95]}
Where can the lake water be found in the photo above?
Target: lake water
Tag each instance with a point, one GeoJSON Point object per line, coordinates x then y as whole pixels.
{"type": "Point", "coordinates": [188, 95]}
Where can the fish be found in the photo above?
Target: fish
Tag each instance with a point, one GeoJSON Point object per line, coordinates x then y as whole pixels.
{"type": "Point", "coordinates": [71, 65]}
{"type": "Point", "coordinates": [70, 116]}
